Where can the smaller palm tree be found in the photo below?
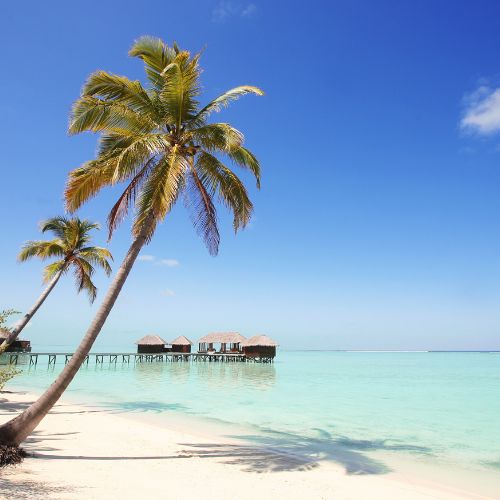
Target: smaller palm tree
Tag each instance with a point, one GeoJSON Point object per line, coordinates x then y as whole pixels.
{"type": "Point", "coordinates": [73, 252]}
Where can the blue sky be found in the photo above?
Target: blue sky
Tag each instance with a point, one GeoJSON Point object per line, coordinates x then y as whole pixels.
{"type": "Point", "coordinates": [377, 225]}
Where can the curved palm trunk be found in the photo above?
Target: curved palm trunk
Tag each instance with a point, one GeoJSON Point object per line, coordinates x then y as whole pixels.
{"type": "Point", "coordinates": [18, 429]}
{"type": "Point", "coordinates": [26, 318]}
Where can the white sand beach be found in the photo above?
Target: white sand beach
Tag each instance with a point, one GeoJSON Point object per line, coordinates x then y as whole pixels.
{"type": "Point", "coordinates": [85, 453]}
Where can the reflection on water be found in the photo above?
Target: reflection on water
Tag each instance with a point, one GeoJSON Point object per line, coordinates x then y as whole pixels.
{"type": "Point", "coordinates": [229, 376]}
{"type": "Point", "coordinates": [235, 375]}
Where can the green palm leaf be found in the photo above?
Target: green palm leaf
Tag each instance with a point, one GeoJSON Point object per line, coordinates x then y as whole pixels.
{"type": "Point", "coordinates": [156, 56]}
{"type": "Point", "coordinates": [108, 87]}
{"type": "Point", "coordinates": [225, 99]}
{"type": "Point", "coordinates": [203, 212]}
{"type": "Point", "coordinates": [72, 250]}
{"type": "Point", "coordinates": [156, 139]}
{"type": "Point", "coordinates": [160, 192]}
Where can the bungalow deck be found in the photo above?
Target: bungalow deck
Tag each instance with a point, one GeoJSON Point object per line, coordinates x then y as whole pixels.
{"type": "Point", "coordinates": [31, 358]}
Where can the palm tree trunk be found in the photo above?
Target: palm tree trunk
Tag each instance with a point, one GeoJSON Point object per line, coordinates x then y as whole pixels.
{"type": "Point", "coordinates": [15, 431]}
{"type": "Point", "coordinates": [25, 319]}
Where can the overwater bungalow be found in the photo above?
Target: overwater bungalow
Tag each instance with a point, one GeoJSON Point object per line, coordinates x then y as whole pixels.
{"type": "Point", "coordinates": [18, 346]}
{"type": "Point", "coordinates": [181, 344]}
{"type": "Point", "coordinates": [228, 342]}
{"type": "Point", "coordinates": [151, 344]}
{"type": "Point", "coordinates": [259, 346]}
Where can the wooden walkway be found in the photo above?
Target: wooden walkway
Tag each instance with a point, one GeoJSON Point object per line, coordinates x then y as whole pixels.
{"type": "Point", "coordinates": [31, 358]}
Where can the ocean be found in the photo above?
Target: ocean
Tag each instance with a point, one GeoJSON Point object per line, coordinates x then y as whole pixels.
{"type": "Point", "coordinates": [367, 411]}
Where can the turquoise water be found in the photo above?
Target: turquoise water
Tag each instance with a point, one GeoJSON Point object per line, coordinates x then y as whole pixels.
{"type": "Point", "coordinates": [340, 406]}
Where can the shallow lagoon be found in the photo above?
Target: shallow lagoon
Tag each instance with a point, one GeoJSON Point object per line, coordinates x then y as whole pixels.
{"type": "Point", "coordinates": [361, 409]}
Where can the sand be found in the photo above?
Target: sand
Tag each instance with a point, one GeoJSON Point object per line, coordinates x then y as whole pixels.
{"type": "Point", "coordinates": [85, 453]}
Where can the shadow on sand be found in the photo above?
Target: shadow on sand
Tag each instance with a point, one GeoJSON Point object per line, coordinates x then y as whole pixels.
{"type": "Point", "coordinates": [269, 452]}
{"type": "Point", "coordinates": [28, 488]}
{"type": "Point", "coordinates": [9, 407]}
{"type": "Point", "coordinates": [279, 451]}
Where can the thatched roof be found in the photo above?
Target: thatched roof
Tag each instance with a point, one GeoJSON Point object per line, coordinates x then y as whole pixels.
{"type": "Point", "coordinates": [5, 333]}
{"type": "Point", "coordinates": [151, 340]}
{"type": "Point", "coordinates": [181, 341]}
{"type": "Point", "coordinates": [260, 340]}
{"type": "Point", "coordinates": [222, 338]}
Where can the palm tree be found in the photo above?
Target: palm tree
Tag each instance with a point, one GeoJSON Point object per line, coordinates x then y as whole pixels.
{"type": "Point", "coordinates": [73, 253]}
{"type": "Point", "coordinates": [158, 140]}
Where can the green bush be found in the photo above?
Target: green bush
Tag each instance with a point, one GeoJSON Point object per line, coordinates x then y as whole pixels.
{"type": "Point", "coordinates": [7, 373]}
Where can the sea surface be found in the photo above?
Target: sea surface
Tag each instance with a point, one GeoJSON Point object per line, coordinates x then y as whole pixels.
{"type": "Point", "coordinates": [363, 410]}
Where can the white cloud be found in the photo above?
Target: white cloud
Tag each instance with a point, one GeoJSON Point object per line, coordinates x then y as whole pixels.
{"type": "Point", "coordinates": [249, 10]}
{"type": "Point", "coordinates": [163, 262]}
{"type": "Point", "coordinates": [169, 262]}
{"type": "Point", "coordinates": [226, 9]}
{"type": "Point", "coordinates": [146, 258]}
{"type": "Point", "coordinates": [482, 112]}
{"type": "Point", "coordinates": [167, 292]}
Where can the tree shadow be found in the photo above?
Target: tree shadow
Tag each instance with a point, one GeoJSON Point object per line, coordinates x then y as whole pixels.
{"type": "Point", "coordinates": [46, 456]}
{"type": "Point", "coordinates": [8, 407]}
{"type": "Point", "coordinates": [268, 452]}
{"type": "Point", "coordinates": [30, 486]}
{"type": "Point", "coordinates": [33, 444]}
{"type": "Point", "coordinates": [253, 458]}
{"type": "Point", "coordinates": [29, 489]}
{"type": "Point", "coordinates": [142, 407]}
{"type": "Point", "coordinates": [278, 451]}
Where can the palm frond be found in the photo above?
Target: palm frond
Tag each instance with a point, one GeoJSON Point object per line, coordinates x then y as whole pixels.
{"type": "Point", "coordinates": [94, 115]}
{"type": "Point", "coordinates": [112, 144]}
{"type": "Point", "coordinates": [222, 181]}
{"type": "Point", "coordinates": [86, 181]}
{"type": "Point", "coordinates": [97, 256]}
{"type": "Point", "coordinates": [181, 86]}
{"type": "Point", "coordinates": [56, 225]}
{"type": "Point", "coordinates": [71, 249]}
{"type": "Point", "coordinates": [83, 272]}
{"type": "Point", "coordinates": [203, 212]}
{"type": "Point", "coordinates": [225, 99]}
{"type": "Point", "coordinates": [160, 192]}
{"type": "Point", "coordinates": [139, 152]}
{"type": "Point", "coordinates": [127, 199]}
{"type": "Point", "coordinates": [246, 159]}
{"type": "Point", "coordinates": [41, 249]}
{"type": "Point", "coordinates": [218, 137]}
{"type": "Point", "coordinates": [80, 232]}
{"type": "Point", "coordinates": [156, 139]}
{"type": "Point", "coordinates": [156, 55]}
{"type": "Point", "coordinates": [51, 270]}
{"type": "Point", "coordinates": [108, 87]}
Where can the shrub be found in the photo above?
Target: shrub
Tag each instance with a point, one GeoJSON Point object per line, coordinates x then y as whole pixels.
{"type": "Point", "coordinates": [7, 373]}
{"type": "Point", "coordinates": [11, 455]}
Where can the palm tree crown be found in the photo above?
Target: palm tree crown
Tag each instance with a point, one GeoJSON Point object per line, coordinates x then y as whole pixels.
{"type": "Point", "coordinates": [72, 250]}
{"type": "Point", "coordinates": [158, 140]}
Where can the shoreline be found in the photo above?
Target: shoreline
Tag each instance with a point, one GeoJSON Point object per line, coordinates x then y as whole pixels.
{"type": "Point", "coordinates": [83, 451]}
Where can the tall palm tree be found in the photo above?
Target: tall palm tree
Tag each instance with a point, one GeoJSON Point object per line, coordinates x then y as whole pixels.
{"type": "Point", "coordinates": [73, 253]}
{"type": "Point", "coordinates": [158, 140]}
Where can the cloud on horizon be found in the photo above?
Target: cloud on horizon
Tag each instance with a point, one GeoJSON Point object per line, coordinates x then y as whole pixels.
{"type": "Point", "coordinates": [167, 292]}
{"type": "Point", "coordinates": [482, 111]}
{"type": "Point", "coordinates": [226, 9]}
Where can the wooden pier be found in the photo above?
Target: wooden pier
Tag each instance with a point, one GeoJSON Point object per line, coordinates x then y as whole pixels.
{"type": "Point", "coordinates": [31, 358]}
